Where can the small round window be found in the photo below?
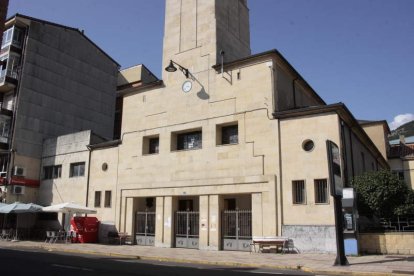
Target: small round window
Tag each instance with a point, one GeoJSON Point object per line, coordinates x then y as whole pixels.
{"type": "Point", "coordinates": [104, 166]}
{"type": "Point", "coordinates": [308, 145]}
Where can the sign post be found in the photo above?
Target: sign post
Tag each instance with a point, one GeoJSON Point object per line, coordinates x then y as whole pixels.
{"type": "Point", "coordinates": [336, 188]}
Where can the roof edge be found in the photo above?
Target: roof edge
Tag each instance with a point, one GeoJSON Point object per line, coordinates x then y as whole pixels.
{"type": "Point", "coordinates": [103, 145]}
{"type": "Point", "coordinates": [371, 123]}
{"type": "Point", "coordinates": [137, 89]}
{"type": "Point", "coordinates": [276, 53]}
{"type": "Point", "coordinates": [64, 27]}
{"type": "Point", "coordinates": [344, 113]}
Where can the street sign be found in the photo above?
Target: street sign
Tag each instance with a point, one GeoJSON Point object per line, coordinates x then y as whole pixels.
{"type": "Point", "coordinates": [334, 165]}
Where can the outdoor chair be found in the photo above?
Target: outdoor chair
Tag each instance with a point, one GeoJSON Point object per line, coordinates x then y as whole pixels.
{"type": "Point", "coordinates": [290, 247]}
{"type": "Point", "coordinates": [51, 236]}
{"type": "Point", "coordinates": [5, 234]}
{"type": "Point", "coordinates": [69, 235]}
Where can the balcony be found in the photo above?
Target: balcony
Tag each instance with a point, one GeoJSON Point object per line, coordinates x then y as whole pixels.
{"type": "Point", "coordinates": [5, 125]}
{"type": "Point", "coordinates": [8, 80]}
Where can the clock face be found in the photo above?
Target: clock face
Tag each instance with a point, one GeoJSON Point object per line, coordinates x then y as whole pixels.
{"type": "Point", "coordinates": [187, 85]}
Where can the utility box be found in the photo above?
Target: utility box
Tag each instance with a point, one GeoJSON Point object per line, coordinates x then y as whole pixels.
{"type": "Point", "coordinates": [85, 228]}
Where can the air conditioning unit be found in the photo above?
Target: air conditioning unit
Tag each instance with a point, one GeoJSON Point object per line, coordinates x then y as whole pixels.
{"type": "Point", "coordinates": [19, 171]}
{"type": "Point", "coordinates": [18, 190]}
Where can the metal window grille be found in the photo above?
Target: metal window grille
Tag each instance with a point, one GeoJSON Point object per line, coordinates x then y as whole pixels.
{"type": "Point", "coordinates": [321, 191]}
{"type": "Point", "coordinates": [191, 140]}
{"type": "Point", "coordinates": [230, 135]}
{"type": "Point", "coordinates": [145, 223]}
{"type": "Point", "coordinates": [237, 224]}
{"type": "Point", "coordinates": [298, 188]}
{"type": "Point", "coordinates": [187, 224]}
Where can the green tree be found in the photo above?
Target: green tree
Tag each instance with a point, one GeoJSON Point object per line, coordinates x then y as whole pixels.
{"type": "Point", "coordinates": [382, 194]}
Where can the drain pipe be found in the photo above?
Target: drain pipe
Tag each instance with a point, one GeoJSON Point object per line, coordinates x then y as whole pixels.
{"type": "Point", "coordinates": [89, 173]}
{"type": "Point", "coordinates": [222, 63]}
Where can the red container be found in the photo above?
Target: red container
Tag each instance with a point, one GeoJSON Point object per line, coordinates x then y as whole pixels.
{"type": "Point", "coordinates": [85, 229]}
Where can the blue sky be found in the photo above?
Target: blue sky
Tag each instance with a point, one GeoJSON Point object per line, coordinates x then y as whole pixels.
{"type": "Point", "coordinates": [359, 52]}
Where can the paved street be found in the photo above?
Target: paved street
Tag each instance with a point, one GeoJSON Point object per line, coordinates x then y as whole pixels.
{"type": "Point", "coordinates": [320, 264]}
{"type": "Point", "coordinates": [40, 262]}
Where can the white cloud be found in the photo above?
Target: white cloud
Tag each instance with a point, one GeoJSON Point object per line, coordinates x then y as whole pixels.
{"type": "Point", "coordinates": [401, 119]}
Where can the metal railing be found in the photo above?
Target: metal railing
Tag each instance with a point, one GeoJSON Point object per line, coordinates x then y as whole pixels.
{"type": "Point", "coordinates": [145, 223]}
{"type": "Point", "coordinates": [187, 224]}
{"type": "Point", "coordinates": [237, 224]}
{"type": "Point", "coordinates": [397, 224]}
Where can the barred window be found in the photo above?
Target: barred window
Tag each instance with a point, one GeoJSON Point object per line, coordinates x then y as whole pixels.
{"type": "Point", "coordinates": [321, 191]}
{"type": "Point", "coordinates": [189, 140]}
{"type": "Point", "coordinates": [298, 189]}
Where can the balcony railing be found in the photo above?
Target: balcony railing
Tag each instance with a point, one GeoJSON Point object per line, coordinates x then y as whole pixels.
{"type": "Point", "coordinates": [8, 73]}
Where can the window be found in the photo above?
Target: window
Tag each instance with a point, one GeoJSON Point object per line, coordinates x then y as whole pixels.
{"type": "Point", "coordinates": [308, 145]}
{"type": "Point", "coordinates": [399, 174]}
{"type": "Point", "coordinates": [229, 135]}
{"type": "Point", "coordinates": [52, 172]}
{"type": "Point", "coordinates": [77, 169]}
{"type": "Point", "coordinates": [186, 141]}
{"type": "Point", "coordinates": [321, 191]}
{"type": "Point", "coordinates": [151, 145]}
{"type": "Point", "coordinates": [108, 197]}
{"type": "Point", "coordinates": [5, 122]}
{"type": "Point", "coordinates": [7, 37]}
{"type": "Point", "coordinates": [185, 205]}
{"type": "Point", "coordinates": [230, 203]}
{"type": "Point", "coordinates": [154, 145]}
{"type": "Point", "coordinates": [97, 199]}
{"type": "Point", "coordinates": [298, 189]}
{"type": "Point", "coordinates": [18, 37]}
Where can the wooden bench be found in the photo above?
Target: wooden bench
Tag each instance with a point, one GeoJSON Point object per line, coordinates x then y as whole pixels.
{"type": "Point", "coordinates": [281, 243]}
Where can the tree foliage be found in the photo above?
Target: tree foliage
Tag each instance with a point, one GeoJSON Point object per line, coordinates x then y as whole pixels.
{"type": "Point", "coordinates": [382, 194]}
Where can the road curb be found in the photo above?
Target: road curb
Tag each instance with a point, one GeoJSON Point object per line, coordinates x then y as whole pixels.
{"type": "Point", "coordinates": [207, 262]}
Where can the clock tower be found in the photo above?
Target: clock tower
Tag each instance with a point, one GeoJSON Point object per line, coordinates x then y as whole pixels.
{"type": "Point", "coordinates": [200, 33]}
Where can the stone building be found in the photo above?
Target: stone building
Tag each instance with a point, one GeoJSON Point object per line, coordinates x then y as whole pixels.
{"type": "Point", "coordinates": [229, 145]}
{"type": "Point", "coordinates": [54, 80]}
{"type": "Point", "coordinates": [401, 159]}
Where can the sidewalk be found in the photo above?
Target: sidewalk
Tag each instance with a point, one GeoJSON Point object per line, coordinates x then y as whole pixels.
{"type": "Point", "coordinates": [316, 263]}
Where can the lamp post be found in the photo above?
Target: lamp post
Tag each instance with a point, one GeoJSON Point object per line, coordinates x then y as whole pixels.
{"type": "Point", "coordinates": [171, 68]}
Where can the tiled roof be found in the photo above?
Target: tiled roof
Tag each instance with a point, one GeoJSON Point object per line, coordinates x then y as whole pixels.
{"type": "Point", "coordinates": [402, 151]}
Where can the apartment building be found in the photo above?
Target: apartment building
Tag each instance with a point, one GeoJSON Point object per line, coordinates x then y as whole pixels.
{"type": "Point", "coordinates": [53, 81]}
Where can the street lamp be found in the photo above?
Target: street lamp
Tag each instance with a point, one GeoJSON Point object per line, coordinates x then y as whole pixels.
{"type": "Point", "coordinates": [171, 68]}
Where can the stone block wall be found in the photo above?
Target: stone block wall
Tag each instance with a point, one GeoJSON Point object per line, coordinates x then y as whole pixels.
{"type": "Point", "coordinates": [387, 243]}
